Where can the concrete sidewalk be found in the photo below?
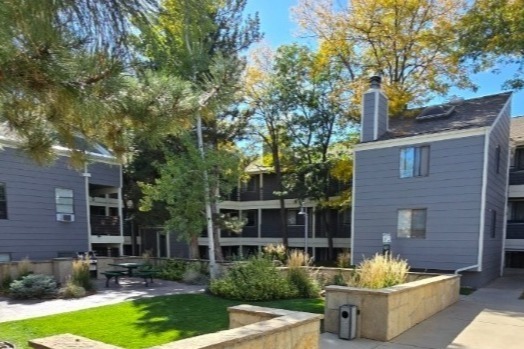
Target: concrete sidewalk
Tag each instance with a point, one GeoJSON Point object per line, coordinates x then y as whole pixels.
{"type": "Point", "coordinates": [129, 289]}
{"type": "Point", "coordinates": [490, 318]}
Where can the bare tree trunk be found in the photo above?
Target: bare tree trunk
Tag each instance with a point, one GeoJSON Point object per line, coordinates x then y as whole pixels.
{"type": "Point", "coordinates": [326, 226]}
{"type": "Point", "coordinates": [283, 213]}
{"type": "Point", "coordinates": [194, 251]}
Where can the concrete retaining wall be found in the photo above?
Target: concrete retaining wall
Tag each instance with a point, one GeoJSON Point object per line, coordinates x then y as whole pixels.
{"type": "Point", "coordinates": [386, 313]}
{"type": "Point", "coordinates": [251, 327]}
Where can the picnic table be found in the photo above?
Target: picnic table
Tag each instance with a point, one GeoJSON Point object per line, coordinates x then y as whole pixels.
{"type": "Point", "coordinates": [143, 271]}
{"type": "Point", "coordinates": [129, 266]}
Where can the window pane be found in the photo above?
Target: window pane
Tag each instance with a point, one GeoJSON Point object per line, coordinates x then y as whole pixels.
{"type": "Point", "coordinates": [424, 161]}
{"type": "Point", "coordinates": [517, 210]}
{"type": "Point", "coordinates": [407, 160]}
{"type": "Point", "coordinates": [3, 202]}
{"type": "Point", "coordinates": [63, 193]}
{"type": "Point", "coordinates": [291, 217]}
{"type": "Point", "coordinates": [519, 158]}
{"type": "Point", "coordinates": [404, 223]}
{"type": "Point", "coordinates": [64, 200]}
{"type": "Point", "coordinates": [250, 216]}
{"type": "Point", "coordinates": [418, 224]}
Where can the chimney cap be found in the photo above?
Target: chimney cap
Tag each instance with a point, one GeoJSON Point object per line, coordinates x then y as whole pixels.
{"type": "Point", "coordinates": [375, 81]}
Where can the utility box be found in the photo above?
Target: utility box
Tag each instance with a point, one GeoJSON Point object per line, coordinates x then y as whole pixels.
{"type": "Point", "coordinates": [347, 319]}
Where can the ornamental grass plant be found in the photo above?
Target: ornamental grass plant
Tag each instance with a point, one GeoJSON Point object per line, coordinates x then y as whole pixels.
{"type": "Point", "coordinates": [379, 272]}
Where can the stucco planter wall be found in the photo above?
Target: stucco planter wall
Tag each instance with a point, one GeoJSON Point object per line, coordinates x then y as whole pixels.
{"type": "Point", "coordinates": [386, 313]}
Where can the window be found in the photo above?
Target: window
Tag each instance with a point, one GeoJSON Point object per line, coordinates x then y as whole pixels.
{"type": "Point", "coordinates": [519, 159]}
{"type": "Point", "coordinates": [516, 211]}
{"type": "Point", "coordinates": [64, 201]}
{"type": "Point", "coordinates": [414, 161]}
{"type": "Point", "coordinates": [251, 217]}
{"type": "Point", "coordinates": [497, 158]}
{"type": "Point", "coordinates": [411, 223]}
{"type": "Point", "coordinates": [3, 202]}
{"type": "Point", "coordinates": [493, 223]}
{"type": "Point", "coordinates": [294, 218]}
{"type": "Point", "coordinates": [250, 185]}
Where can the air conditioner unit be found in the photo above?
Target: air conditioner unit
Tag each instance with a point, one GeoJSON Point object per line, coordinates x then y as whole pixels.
{"type": "Point", "coordinates": [63, 217]}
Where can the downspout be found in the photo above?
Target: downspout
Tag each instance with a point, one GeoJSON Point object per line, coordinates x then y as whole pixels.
{"type": "Point", "coordinates": [483, 194]}
{"type": "Point", "coordinates": [465, 268]}
{"type": "Point", "coordinates": [86, 176]}
{"type": "Point", "coordinates": [352, 237]}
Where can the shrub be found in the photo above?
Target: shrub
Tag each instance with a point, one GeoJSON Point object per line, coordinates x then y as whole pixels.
{"type": "Point", "coordinates": [5, 277]}
{"type": "Point", "coordinates": [81, 276]}
{"type": "Point", "coordinates": [254, 280]}
{"type": "Point", "coordinates": [195, 274]}
{"type": "Point", "coordinates": [173, 270]}
{"type": "Point", "coordinates": [298, 276]}
{"type": "Point", "coordinates": [344, 259]}
{"type": "Point", "coordinates": [379, 272]}
{"type": "Point", "coordinates": [70, 290]}
{"type": "Point", "coordinates": [275, 252]}
{"type": "Point", "coordinates": [33, 286]}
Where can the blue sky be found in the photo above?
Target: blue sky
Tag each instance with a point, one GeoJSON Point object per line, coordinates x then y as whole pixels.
{"type": "Point", "coordinates": [276, 23]}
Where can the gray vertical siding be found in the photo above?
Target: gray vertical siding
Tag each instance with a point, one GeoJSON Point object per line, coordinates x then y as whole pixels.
{"type": "Point", "coordinates": [496, 199]}
{"type": "Point", "coordinates": [451, 194]}
{"type": "Point", "coordinates": [31, 228]}
{"type": "Point", "coordinates": [368, 116]}
{"type": "Point", "coordinates": [382, 114]}
{"type": "Point", "coordinates": [104, 174]}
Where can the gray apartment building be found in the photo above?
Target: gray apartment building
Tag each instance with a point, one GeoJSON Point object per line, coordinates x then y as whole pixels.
{"type": "Point", "coordinates": [434, 184]}
{"type": "Point", "coordinates": [57, 211]}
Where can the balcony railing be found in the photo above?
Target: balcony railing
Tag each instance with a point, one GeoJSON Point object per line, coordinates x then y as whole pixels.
{"type": "Point", "coordinates": [105, 225]}
{"type": "Point", "coordinates": [515, 230]}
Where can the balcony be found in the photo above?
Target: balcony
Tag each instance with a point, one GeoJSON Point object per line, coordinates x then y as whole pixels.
{"type": "Point", "coordinates": [516, 177]}
{"type": "Point", "coordinates": [515, 230]}
{"type": "Point", "coordinates": [105, 226]}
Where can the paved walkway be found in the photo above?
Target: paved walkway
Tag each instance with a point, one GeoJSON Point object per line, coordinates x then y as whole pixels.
{"type": "Point", "coordinates": [490, 318]}
{"type": "Point", "coordinates": [129, 289]}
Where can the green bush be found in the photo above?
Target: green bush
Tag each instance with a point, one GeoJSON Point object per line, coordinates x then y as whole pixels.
{"type": "Point", "coordinates": [173, 270]}
{"type": "Point", "coordinates": [71, 291]}
{"type": "Point", "coordinates": [196, 273]}
{"type": "Point", "coordinates": [298, 274]}
{"type": "Point", "coordinates": [33, 286]}
{"type": "Point", "coordinates": [81, 276]}
{"type": "Point", "coordinates": [254, 280]}
{"type": "Point", "coordinates": [306, 286]}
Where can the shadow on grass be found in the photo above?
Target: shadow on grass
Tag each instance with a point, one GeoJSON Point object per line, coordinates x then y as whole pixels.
{"type": "Point", "coordinates": [189, 314]}
{"type": "Point", "coordinates": [196, 314]}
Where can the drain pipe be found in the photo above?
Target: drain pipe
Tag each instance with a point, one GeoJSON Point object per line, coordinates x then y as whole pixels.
{"type": "Point", "coordinates": [465, 268]}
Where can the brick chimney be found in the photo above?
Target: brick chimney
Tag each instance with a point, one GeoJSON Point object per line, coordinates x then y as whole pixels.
{"type": "Point", "coordinates": [374, 121]}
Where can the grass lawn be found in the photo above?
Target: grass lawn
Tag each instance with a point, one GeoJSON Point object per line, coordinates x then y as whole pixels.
{"type": "Point", "coordinates": [143, 323]}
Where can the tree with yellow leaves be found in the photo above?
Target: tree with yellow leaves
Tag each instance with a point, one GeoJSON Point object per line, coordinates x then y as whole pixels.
{"type": "Point", "coordinates": [411, 43]}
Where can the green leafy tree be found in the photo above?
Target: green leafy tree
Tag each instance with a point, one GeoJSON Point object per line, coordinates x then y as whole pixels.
{"type": "Point", "coordinates": [311, 102]}
{"type": "Point", "coordinates": [201, 42]}
{"type": "Point", "coordinates": [180, 185]}
{"type": "Point", "coordinates": [493, 31]}
{"type": "Point", "coordinates": [61, 72]}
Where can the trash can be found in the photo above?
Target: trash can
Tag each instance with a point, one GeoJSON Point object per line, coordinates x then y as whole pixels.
{"type": "Point", "coordinates": [347, 319]}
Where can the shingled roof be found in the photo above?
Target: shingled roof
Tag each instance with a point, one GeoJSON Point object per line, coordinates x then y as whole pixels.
{"type": "Point", "coordinates": [468, 113]}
